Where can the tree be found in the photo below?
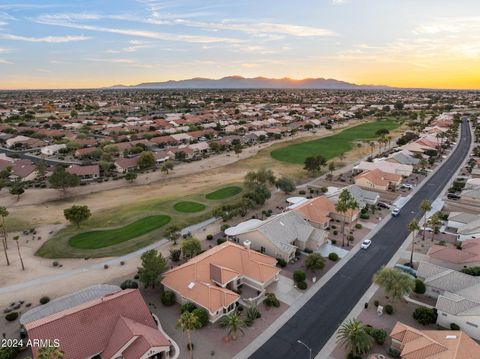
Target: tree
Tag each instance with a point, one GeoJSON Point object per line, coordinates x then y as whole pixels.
{"type": "Point", "coordinates": [233, 323]}
{"type": "Point", "coordinates": [173, 233]}
{"type": "Point", "coordinates": [263, 176]}
{"type": "Point", "coordinates": [425, 315]}
{"type": "Point", "coordinates": [412, 227]}
{"type": "Point", "coordinates": [425, 206]}
{"type": "Point", "coordinates": [41, 169]}
{"type": "Point", "coordinates": [77, 214]}
{"type": "Point", "coordinates": [191, 247]}
{"type": "Point", "coordinates": [214, 146]}
{"type": "Point", "coordinates": [19, 253]}
{"type": "Point", "coordinates": [167, 166]}
{"type": "Point", "coordinates": [187, 323]}
{"type": "Point", "coordinates": [146, 160]}
{"type": "Point", "coordinates": [331, 167]}
{"type": "Point", "coordinates": [131, 176]}
{"type": "Point", "coordinates": [285, 184]}
{"type": "Point", "coordinates": [50, 352]}
{"type": "Point", "coordinates": [314, 261]}
{"type": "Point", "coordinates": [4, 213]}
{"type": "Point", "coordinates": [314, 164]}
{"type": "Point", "coordinates": [153, 264]}
{"type": "Point", "coordinates": [434, 221]}
{"type": "Point", "coordinates": [382, 132]}
{"type": "Point", "coordinates": [353, 336]}
{"type": "Point", "coordinates": [61, 179]}
{"type": "Point", "coordinates": [352, 205]}
{"type": "Point", "coordinates": [344, 203]}
{"type": "Point", "coordinates": [394, 282]}
{"type": "Point", "coordinates": [237, 149]}
{"type": "Point", "coordinates": [372, 147]}
{"type": "Point", "coordinates": [17, 189]}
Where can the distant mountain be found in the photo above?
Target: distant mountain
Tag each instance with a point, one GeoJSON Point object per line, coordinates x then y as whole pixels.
{"type": "Point", "coordinates": [239, 82]}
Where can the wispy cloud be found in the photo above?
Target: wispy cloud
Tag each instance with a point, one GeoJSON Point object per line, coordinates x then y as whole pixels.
{"type": "Point", "coordinates": [134, 46]}
{"type": "Point", "coordinates": [112, 61]}
{"type": "Point", "coordinates": [340, 2]}
{"type": "Point", "coordinates": [5, 62]}
{"type": "Point", "coordinates": [47, 39]}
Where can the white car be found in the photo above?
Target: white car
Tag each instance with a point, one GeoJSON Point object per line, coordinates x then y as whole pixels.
{"type": "Point", "coordinates": [395, 212]}
{"type": "Point", "coordinates": [407, 185]}
{"type": "Point", "coordinates": [366, 243]}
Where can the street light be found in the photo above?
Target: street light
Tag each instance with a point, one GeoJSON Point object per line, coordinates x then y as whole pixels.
{"type": "Point", "coordinates": [306, 346]}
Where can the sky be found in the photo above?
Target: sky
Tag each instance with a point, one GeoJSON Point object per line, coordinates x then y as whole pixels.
{"type": "Point", "coordinates": [96, 43]}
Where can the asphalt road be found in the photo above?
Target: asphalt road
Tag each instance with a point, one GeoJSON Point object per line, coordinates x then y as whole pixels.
{"type": "Point", "coordinates": [321, 316]}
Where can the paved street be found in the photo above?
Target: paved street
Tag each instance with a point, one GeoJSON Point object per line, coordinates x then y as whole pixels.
{"type": "Point", "coordinates": [320, 317]}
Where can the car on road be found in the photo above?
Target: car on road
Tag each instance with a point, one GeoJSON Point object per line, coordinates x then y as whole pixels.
{"type": "Point", "coordinates": [366, 243]}
{"type": "Point", "coordinates": [395, 212]}
{"type": "Point", "coordinates": [406, 185]}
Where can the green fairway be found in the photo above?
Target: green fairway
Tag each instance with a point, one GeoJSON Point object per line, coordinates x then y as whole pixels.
{"type": "Point", "coordinates": [332, 146]}
{"type": "Point", "coordinates": [225, 192]}
{"type": "Point", "coordinates": [189, 207]}
{"type": "Point", "coordinates": [110, 237]}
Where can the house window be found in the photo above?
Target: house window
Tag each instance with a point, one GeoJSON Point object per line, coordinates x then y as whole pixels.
{"type": "Point", "coordinates": [472, 324]}
{"type": "Point", "coordinates": [262, 250]}
{"type": "Point", "coordinates": [444, 314]}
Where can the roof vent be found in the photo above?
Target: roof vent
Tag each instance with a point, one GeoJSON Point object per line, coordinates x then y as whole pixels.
{"type": "Point", "coordinates": [282, 223]}
{"type": "Point", "coordinates": [247, 244]}
{"type": "Point", "coordinates": [191, 285]}
{"type": "Point", "coordinates": [451, 337]}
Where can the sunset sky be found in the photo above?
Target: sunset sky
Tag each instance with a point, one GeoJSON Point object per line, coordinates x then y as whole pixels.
{"type": "Point", "coordinates": [93, 43]}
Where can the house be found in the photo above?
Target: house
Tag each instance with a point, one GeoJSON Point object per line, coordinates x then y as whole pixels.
{"type": "Point", "coordinates": [457, 259]}
{"type": "Point", "coordinates": [100, 322]}
{"type": "Point", "coordinates": [126, 164]}
{"type": "Point", "coordinates": [85, 172]}
{"type": "Point", "coordinates": [385, 166]}
{"type": "Point", "coordinates": [433, 344]}
{"type": "Point", "coordinates": [457, 295]}
{"type": "Point", "coordinates": [404, 158]}
{"type": "Point", "coordinates": [52, 149]}
{"type": "Point", "coordinates": [279, 236]}
{"type": "Point", "coordinates": [361, 195]}
{"type": "Point", "coordinates": [214, 279]}
{"type": "Point", "coordinates": [378, 179]}
{"type": "Point", "coordinates": [466, 225]}
{"type": "Point", "coordinates": [23, 170]}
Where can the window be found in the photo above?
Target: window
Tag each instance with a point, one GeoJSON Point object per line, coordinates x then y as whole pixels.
{"type": "Point", "coordinates": [262, 249]}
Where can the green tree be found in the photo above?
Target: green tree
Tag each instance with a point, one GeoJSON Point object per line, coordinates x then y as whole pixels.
{"type": "Point", "coordinates": [344, 203]}
{"type": "Point", "coordinates": [167, 166]}
{"type": "Point", "coordinates": [314, 261]}
{"type": "Point", "coordinates": [131, 176]}
{"type": "Point", "coordinates": [425, 206]}
{"type": "Point", "coordinates": [191, 247]}
{"type": "Point", "coordinates": [61, 179]}
{"type": "Point", "coordinates": [153, 264]}
{"type": "Point", "coordinates": [237, 149]}
{"type": "Point", "coordinates": [412, 228]}
{"type": "Point", "coordinates": [4, 214]}
{"type": "Point", "coordinates": [50, 352]}
{"type": "Point", "coordinates": [187, 323]}
{"type": "Point", "coordinates": [263, 176]}
{"type": "Point", "coordinates": [234, 324]}
{"type": "Point", "coordinates": [146, 160]}
{"type": "Point", "coordinates": [434, 221]}
{"type": "Point", "coordinates": [17, 189]}
{"type": "Point", "coordinates": [41, 168]}
{"type": "Point", "coordinates": [214, 146]}
{"type": "Point", "coordinates": [314, 164]}
{"type": "Point", "coordinates": [394, 282]}
{"type": "Point", "coordinates": [285, 184]}
{"type": "Point", "coordinates": [16, 239]}
{"type": "Point", "coordinates": [331, 167]}
{"type": "Point", "coordinates": [173, 233]}
{"type": "Point", "coordinates": [77, 214]}
{"type": "Point", "coordinates": [353, 336]}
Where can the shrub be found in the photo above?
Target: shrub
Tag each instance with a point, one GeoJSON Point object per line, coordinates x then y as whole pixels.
{"type": "Point", "coordinates": [334, 226]}
{"type": "Point", "coordinates": [350, 238]}
{"type": "Point", "coordinates": [376, 303]}
{"type": "Point", "coordinates": [454, 326]}
{"type": "Point", "coordinates": [364, 216]}
{"type": "Point", "coordinates": [175, 254]}
{"type": "Point", "coordinates": [202, 316]}
{"type": "Point", "coordinates": [44, 300]}
{"type": "Point", "coordinates": [351, 356]}
{"type": "Point", "coordinates": [224, 227]}
{"type": "Point", "coordinates": [282, 263]}
{"type": "Point", "coordinates": [252, 314]}
{"type": "Point", "coordinates": [334, 241]}
{"type": "Point", "coordinates": [378, 334]}
{"type": "Point", "coordinates": [425, 315]}
{"type": "Point", "coordinates": [209, 237]}
{"type": "Point", "coordinates": [221, 240]}
{"type": "Point", "coordinates": [302, 192]}
{"type": "Point", "coordinates": [105, 266]}
{"type": "Point", "coordinates": [9, 352]}
{"type": "Point", "coordinates": [299, 276]}
{"type": "Point", "coordinates": [419, 286]}
{"type": "Point", "coordinates": [394, 352]}
{"type": "Point", "coordinates": [122, 263]}
{"type": "Point", "coordinates": [358, 226]}
{"type": "Point", "coordinates": [388, 309]}
{"type": "Point", "coordinates": [55, 264]}
{"type": "Point", "coordinates": [335, 232]}
{"type": "Point", "coordinates": [475, 271]}
{"type": "Point", "coordinates": [168, 298]}
{"type": "Point", "coordinates": [129, 284]}
{"type": "Point", "coordinates": [308, 250]}
{"type": "Point", "coordinates": [188, 307]}
{"type": "Point", "coordinates": [333, 256]}
{"type": "Point", "coordinates": [10, 317]}
{"type": "Point", "coordinates": [271, 300]}
{"type": "Point", "coordinates": [302, 285]}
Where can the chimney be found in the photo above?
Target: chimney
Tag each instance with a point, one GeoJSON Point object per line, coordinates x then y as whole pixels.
{"type": "Point", "coordinates": [247, 244]}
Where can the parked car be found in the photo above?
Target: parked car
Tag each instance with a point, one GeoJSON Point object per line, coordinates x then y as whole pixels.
{"type": "Point", "coordinates": [406, 269]}
{"type": "Point", "coordinates": [366, 243]}
{"type": "Point", "coordinates": [406, 185]}
{"type": "Point", "coordinates": [395, 212]}
{"type": "Point", "coordinates": [453, 196]}
{"type": "Point", "coordinates": [383, 205]}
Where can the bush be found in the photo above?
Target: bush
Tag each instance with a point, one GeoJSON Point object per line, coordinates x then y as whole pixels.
{"type": "Point", "coordinates": [168, 298]}
{"type": "Point", "coordinates": [271, 300]}
{"type": "Point", "coordinates": [475, 271]}
{"type": "Point", "coordinates": [419, 286]}
{"type": "Point", "coordinates": [188, 307]}
{"type": "Point", "coordinates": [202, 316]}
{"type": "Point", "coordinates": [122, 263]}
{"type": "Point", "coordinates": [302, 285]}
{"type": "Point", "coordinates": [282, 263]}
{"type": "Point", "coordinates": [105, 266]}
{"type": "Point", "coordinates": [334, 241]}
{"type": "Point", "coordinates": [364, 216]}
{"type": "Point", "coordinates": [335, 232]}
{"type": "Point", "coordinates": [333, 256]}
{"type": "Point", "coordinates": [252, 314]}
{"type": "Point", "coordinates": [378, 334]}
{"type": "Point", "coordinates": [350, 238]}
{"type": "Point", "coordinates": [9, 352]}
{"type": "Point", "coordinates": [44, 300]}
{"type": "Point", "coordinates": [376, 303]}
{"type": "Point", "coordinates": [388, 309]}
{"type": "Point", "coordinates": [351, 356]}
{"type": "Point", "coordinates": [425, 315]}
{"type": "Point", "coordinates": [129, 284]}
{"type": "Point", "coordinates": [55, 264]}
{"type": "Point", "coordinates": [299, 276]}
{"type": "Point", "coordinates": [10, 317]}
{"type": "Point", "coordinates": [454, 326]}
{"type": "Point", "coordinates": [358, 226]}
{"type": "Point", "coordinates": [221, 240]}
{"type": "Point", "coordinates": [209, 237]}
{"type": "Point", "coordinates": [393, 352]}
{"type": "Point", "coordinates": [175, 254]}
{"type": "Point", "coordinates": [224, 227]}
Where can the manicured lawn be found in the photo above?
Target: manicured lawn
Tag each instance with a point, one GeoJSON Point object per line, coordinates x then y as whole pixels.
{"type": "Point", "coordinates": [110, 237]}
{"type": "Point", "coordinates": [332, 146]}
{"type": "Point", "coordinates": [189, 207]}
{"type": "Point", "coordinates": [224, 192]}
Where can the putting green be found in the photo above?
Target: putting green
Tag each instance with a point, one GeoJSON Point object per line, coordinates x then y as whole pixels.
{"type": "Point", "coordinates": [189, 207]}
{"type": "Point", "coordinates": [224, 192]}
{"type": "Point", "coordinates": [110, 237]}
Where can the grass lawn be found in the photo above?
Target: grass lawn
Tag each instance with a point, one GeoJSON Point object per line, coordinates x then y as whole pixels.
{"type": "Point", "coordinates": [332, 146]}
{"type": "Point", "coordinates": [110, 237]}
{"type": "Point", "coordinates": [225, 192]}
{"type": "Point", "coordinates": [189, 207]}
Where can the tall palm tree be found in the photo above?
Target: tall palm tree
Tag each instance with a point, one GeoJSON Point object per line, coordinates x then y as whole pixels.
{"type": "Point", "coordinates": [234, 323]}
{"type": "Point", "coordinates": [394, 282]}
{"type": "Point", "coordinates": [4, 214]}
{"type": "Point", "coordinates": [434, 221]}
{"type": "Point", "coordinates": [425, 206]}
{"type": "Point", "coordinates": [412, 227]}
{"type": "Point", "coordinates": [187, 323]}
{"type": "Point", "coordinates": [18, 249]}
{"type": "Point", "coordinates": [50, 352]}
{"type": "Point", "coordinates": [352, 206]}
{"type": "Point", "coordinates": [372, 147]}
{"type": "Point", "coordinates": [342, 207]}
{"type": "Point", "coordinates": [353, 336]}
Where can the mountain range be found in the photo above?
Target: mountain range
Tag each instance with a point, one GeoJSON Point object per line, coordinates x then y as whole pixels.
{"type": "Point", "coordinates": [239, 82]}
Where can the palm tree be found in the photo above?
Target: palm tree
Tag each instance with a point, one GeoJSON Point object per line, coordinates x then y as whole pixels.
{"type": "Point", "coordinates": [353, 336]}
{"type": "Point", "coordinates": [425, 206]}
{"type": "Point", "coordinates": [4, 214]}
{"type": "Point", "coordinates": [389, 139]}
{"type": "Point", "coordinates": [372, 147]}
{"type": "Point", "coordinates": [352, 206]}
{"type": "Point", "coordinates": [50, 352]}
{"type": "Point", "coordinates": [234, 323]}
{"type": "Point", "coordinates": [412, 227]}
{"type": "Point", "coordinates": [342, 207]}
{"type": "Point", "coordinates": [394, 282]}
{"type": "Point", "coordinates": [18, 249]}
{"type": "Point", "coordinates": [434, 221]}
{"type": "Point", "coordinates": [188, 322]}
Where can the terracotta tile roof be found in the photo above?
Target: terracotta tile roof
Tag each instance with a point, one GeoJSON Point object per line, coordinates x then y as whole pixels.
{"type": "Point", "coordinates": [378, 177]}
{"type": "Point", "coordinates": [100, 326]}
{"type": "Point", "coordinates": [193, 280]}
{"type": "Point", "coordinates": [319, 209]}
{"type": "Point", "coordinates": [84, 170]}
{"type": "Point", "coordinates": [434, 344]}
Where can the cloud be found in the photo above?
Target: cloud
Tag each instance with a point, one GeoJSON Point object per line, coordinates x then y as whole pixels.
{"type": "Point", "coordinates": [47, 39]}
{"type": "Point", "coordinates": [112, 61]}
{"type": "Point", "coordinates": [134, 46]}
{"type": "Point", "coordinates": [340, 2]}
{"type": "Point", "coordinates": [5, 62]}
